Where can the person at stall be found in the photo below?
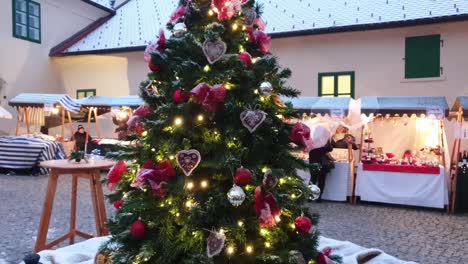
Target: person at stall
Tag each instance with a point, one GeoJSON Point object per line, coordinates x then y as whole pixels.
{"type": "Point", "coordinates": [80, 138]}
{"type": "Point", "coordinates": [343, 143]}
{"type": "Point", "coordinates": [321, 164]}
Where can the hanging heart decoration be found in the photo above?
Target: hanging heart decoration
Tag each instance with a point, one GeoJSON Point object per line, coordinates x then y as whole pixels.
{"type": "Point", "coordinates": [215, 243]}
{"type": "Point", "coordinates": [188, 160]}
{"type": "Point", "coordinates": [214, 50]}
{"type": "Point", "coordinates": [252, 119]}
{"type": "Point", "coordinates": [249, 16]}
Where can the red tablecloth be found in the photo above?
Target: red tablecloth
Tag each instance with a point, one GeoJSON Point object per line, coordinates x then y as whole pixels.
{"type": "Point", "coordinates": [401, 168]}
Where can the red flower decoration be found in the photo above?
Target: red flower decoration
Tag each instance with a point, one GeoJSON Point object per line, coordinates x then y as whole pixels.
{"type": "Point", "coordinates": [260, 24]}
{"type": "Point", "coordinates": [115, 174]}
{"type": "Point", "coordinates": [300, 133]}
{"type": "Point", "coordinates": [179, 12]}
{"type": "Point", "coordinates": [156, 175]}
{"type": "Point", "coordinates": [261, 39]}
{"type": "Point", "coordinates": [209, 97]}
{"type": "Point", "coordinates": [153, 67]}
{"type": "Point", "coordinates": [143, 111]}
{"type": "Point", "coordinates": [323, 257]}
{"type": "Point", "coordinates": [139, 129]}
{"type": "Point", "coordinates": [266, 207]}
{"type": "Point", "coordinates": [159, 45]}
{"type": "Point", "coordinates": [138, 229]}
{"type": "Point", "coordinates": [242, 177]}
{"type": "Point", "coordinates": [303, 224]}
{"type": "Point", "coordinates": [245, 57]}
{"type": "Point", "coordinates": [180, 97]}
{"type": "Point", "coordinates": [118, 204]}
{"type": "Point", "coordinates": [226, 8]}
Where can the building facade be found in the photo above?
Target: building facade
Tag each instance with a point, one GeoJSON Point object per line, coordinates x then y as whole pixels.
{"type": "Point", "coordinates": [356, 48]}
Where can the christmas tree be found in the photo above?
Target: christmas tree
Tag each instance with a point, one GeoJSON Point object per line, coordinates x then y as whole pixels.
{"type": "Point", "coordinates": [211, 178]}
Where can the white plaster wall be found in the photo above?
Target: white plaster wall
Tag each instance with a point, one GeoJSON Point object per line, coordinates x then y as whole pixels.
{"type": "Point", "coordinates": [25, 66]}
{"type": "Point", "coordinates": [377, 58]}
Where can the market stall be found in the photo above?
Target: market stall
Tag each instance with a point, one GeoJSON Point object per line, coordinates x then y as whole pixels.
{"type": "Point", "coordinates": [403, 158]}
{"type": "Point", "coordinates": [332, 113]}
{"type": "Point", "coordinates": [34, 108]}
{"type": "Point", "coordinates": [5, 114]}
{"type": "Point", "coordinates": [120, 108]}
{"type": "Point", "coordinates": [459, 157]}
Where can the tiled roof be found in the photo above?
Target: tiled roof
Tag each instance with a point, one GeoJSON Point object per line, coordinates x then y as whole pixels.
{"type": "Point", "coordinates": [108, 4]}
{"type": "Point", "coordinates": [138, 21]}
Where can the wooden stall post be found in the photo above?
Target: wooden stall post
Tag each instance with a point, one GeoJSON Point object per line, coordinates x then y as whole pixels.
{"type": "Point", "coordinates": [454, 179]}
{"type": "Point", "coordinates": [63, 124]}
{"type": "Point", "coordinates": [70, 125]}
{"type": "Point", "coordinates": [27, 117]}
{"type": "Point", "coordinates": [98, 129]}
{"type": "Point", "coordinates": [20, 115]}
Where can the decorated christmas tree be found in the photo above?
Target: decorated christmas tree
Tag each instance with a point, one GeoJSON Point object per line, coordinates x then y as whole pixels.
{"type": "Point", "coordinates": [211, 178]}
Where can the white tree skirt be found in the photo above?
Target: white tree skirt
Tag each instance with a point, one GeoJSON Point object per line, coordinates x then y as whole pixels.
{"type": "Point", "coordinates": [84, 252]}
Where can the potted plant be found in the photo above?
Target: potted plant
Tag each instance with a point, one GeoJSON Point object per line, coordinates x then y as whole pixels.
{"type": "Point", "coordinates": [77, 156]}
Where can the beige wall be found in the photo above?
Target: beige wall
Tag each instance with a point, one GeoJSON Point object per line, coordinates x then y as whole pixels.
{"type": "Point", "coordinates": [25, 65]}
{"type": "Point", "coordinates": [377, 58]}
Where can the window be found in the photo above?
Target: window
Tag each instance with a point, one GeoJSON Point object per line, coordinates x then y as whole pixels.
{"type": "Point", "coordinates": [82, 93]}
{"type": "Point", "coordinates": [27, 20]}
{"type": "Point", "coordinates": [336, 84]}
{"type": "Point", "coordinates": [422, 57]}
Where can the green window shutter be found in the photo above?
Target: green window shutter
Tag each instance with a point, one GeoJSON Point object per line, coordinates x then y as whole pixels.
{"type": "Point", "coordinates": [422, 57]}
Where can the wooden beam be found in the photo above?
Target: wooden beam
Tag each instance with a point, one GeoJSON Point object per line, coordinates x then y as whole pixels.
{"type": "Point", "coordinates": [98, 129]}
{"type": "Point", "coordinates": [27, 117]}
{"type": "Point", "coordinates": [63, 123]}
{"type": "Point", "coordinates": [70, 125]}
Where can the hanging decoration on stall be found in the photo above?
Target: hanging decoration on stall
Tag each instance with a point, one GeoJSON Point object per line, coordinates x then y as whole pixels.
{"type": "Point", "coordinates": [337, 113]}
{"type": "Point", "coordinates": [48, 109]}
{"type": "Point", "coordinates": [435, 113]}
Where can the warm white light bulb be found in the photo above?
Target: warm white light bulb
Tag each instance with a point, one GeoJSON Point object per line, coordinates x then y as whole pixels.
{"type": "Point", "coordinates": [190, 185]}
{"type": "Point", "coordinates": [230, 250]}
{"type": "Point", "coordinates": [204, 184]}
{"type": "Point", "coordinates": [200, 118]}
{"type": "Point", "coordinates": [267, 244]}
{"type": "Point", "coordinates": [249, 249]}
{"type": "Point", "coordinates": [178, 121]}
{"type": "Point", "coordinates": [240, 223]}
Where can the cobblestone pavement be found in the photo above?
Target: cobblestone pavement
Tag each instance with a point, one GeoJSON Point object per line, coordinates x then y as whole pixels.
{"type": "Point", "coordinates": [424, 236]}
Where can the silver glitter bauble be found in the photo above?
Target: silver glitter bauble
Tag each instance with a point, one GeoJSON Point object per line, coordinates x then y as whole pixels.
{"type": "Point", "coordinates": [296, 257]}
{"type": "Point", "coordinates": [236, 195]}
{"type": "Point", "coordinates": [179, 29]}
{"type": "Point", "coordinates": [315, 191]}
{"type": "Point", "coordinates": [266, 88]}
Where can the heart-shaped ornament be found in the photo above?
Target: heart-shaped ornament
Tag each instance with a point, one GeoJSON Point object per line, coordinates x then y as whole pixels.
{"type": "Point", "coordinates": [215, 243]}
{"type": "Point", "coordinates": [188, 160]}
{"type": "Point", "coordinates": [214, 50]}
{"type": "Point", "coordinates": [252, 119]}
{"type": "Point", "coordinates": [249, 16]}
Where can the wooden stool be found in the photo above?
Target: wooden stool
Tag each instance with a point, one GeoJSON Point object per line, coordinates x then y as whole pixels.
{"type": "Point", "coordinates": [90, 171]}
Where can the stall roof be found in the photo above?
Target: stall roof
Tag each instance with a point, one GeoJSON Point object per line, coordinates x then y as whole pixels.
{"type": "Point", "coordinates": [404, 105]}
{"type": "Point", "coordinates": [319, 105]}
{"type": "Point", "coordinates": [39, 100]}
{"type": "Point", "coordinates": [132, 101]}
{"type": "Point", "coordinates": [462, 101]}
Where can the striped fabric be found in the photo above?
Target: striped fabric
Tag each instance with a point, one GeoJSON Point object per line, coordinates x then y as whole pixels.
{"type": "Point", "coordinates": [39, 100]}
{"type": "Point", "coordinates": [26, 152]}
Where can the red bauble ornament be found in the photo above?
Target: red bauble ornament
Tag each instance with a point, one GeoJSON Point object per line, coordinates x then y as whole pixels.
{"type": "Point", "coordinates": [245, 57]}
{"type": "Point", "coordinates": [138, 229]}
{"type": "Point", "coordinates": [115, 174]}
{"type": "Point", "coordinates": [303, 224]}
{"type": "Point", "coordinates": [143, 111]}
{"type": "Point", "coordinates": [153, 67]}
{"type": "Point", "coordinates": [180, 97]}
{"type": "Point", "coordinates": [242, 177]}
{"type": "Point", "coordinates": [118, 204]}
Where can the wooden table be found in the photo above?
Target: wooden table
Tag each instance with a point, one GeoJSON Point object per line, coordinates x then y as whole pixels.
{"type": "Point", "coordinates": [90, 171]}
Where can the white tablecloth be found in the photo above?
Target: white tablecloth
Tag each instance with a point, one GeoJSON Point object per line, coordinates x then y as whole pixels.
{"type": "Point", "coordinates": [428, 190]}
{"type": "Point", "coordinates": [84, 252]}
{"type": "Point", "coordinates": [338, 182]}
